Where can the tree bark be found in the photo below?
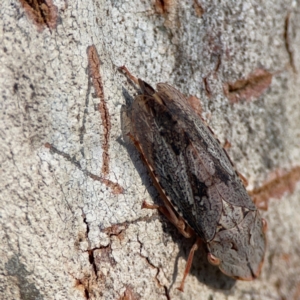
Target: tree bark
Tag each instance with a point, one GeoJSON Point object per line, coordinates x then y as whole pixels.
{"type": "Point", "coordinates": [72, 226]}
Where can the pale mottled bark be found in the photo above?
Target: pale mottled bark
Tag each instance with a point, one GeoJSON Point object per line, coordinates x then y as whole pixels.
{"type": "Point", "coordinates": [68, 231]}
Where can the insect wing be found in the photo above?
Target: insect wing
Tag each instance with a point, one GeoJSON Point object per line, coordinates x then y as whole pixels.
{"type": "Point", "coordinates": [197, 176]}
{"type": "Point", "coordinates": [241, 249]}
{"type": "Point", "coordinates": [169, 150]}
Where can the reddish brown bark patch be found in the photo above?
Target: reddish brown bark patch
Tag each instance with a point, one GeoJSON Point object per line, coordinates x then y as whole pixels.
{"type": "Point", "coordinates": [164, 6]}
{"type": "Point", "coordinates": [103, 255]}
{"type": "Point", "coordinates": [94, 69]}
{"type": "Point", "coordinates": [83, 287]}
{"type": "Point", "coordinates": [249, 88]}
{"type": "Point", "coordinates": [198, 8]}
{"type": "Point", "coordinates": [279, 183]}
{"type": "Point", "coordinates": [116, 230]}
{"type": "Point", "coordinates": [43, 13]}
{"type": "Point", "coordinates": [129, 294]}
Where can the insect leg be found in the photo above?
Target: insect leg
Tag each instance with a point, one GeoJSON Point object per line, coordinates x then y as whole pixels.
{"type": "Point", "coordinates": [189, 263]}
{"type": "Point", "coordinates": [168, 212]}
{"type": "Point", "coordinates": [128, 74]}
{"type": "Point", "coordinates": [243, 178]}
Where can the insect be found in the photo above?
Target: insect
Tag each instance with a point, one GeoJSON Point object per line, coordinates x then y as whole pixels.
{"type": "Point", "coordinates": [202, 192]}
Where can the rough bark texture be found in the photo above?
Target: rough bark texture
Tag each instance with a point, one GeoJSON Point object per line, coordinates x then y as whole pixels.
{"type": "Point", "coordinates": [71, 221]}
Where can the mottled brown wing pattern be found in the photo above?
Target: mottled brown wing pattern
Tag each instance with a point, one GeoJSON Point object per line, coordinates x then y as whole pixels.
{"type": "Point", "coordinates": [194, 172]}
{"type": "Point", "coordinates": [243, 242]}
{"type": "Point", "coordinates": [193, 177]}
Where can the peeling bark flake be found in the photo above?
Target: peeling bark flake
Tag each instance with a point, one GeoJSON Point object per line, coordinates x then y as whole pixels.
{"type": "Point", "coordinates": [280, 183]}
{"type": "Point", "coordinates": [249, 88]}
{"type": "Point", "coordinates": [94, 67]}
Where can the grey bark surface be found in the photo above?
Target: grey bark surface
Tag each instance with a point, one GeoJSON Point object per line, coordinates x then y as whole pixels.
{"type": "Point", "coordinates": [65, 233]}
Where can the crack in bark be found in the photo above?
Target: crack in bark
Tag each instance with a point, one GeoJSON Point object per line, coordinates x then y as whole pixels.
{"type": "Point", "coordinates": [81, 284]}
{"type": "Point", "coordinates": [207, 87]}
{"type": "Point", "coordinates": [90, 251]}
{"type": "Point", "coordinates": [82, 130]}
{"type": "Point", "coordinates": [155, 267]}
{"type": "Point", "coordinates": [287, 42]}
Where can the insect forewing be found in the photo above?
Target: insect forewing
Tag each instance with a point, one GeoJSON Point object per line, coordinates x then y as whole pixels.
{"type": "Point", "coordinates": [198, 178]}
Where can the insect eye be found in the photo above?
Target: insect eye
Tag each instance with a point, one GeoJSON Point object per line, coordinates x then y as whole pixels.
{"type": "Point", "coordinates": [213, 260]}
